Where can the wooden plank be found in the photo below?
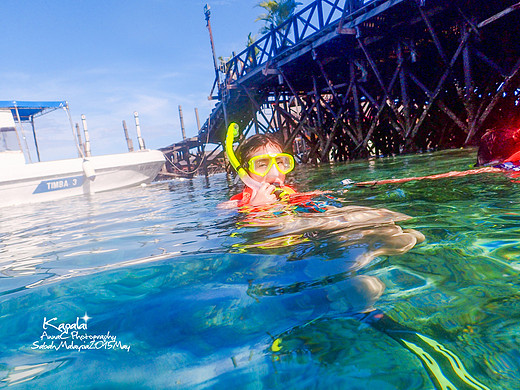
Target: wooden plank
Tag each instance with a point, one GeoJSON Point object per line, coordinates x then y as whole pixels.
{"type": "Point", "coordinates": [499, 15]}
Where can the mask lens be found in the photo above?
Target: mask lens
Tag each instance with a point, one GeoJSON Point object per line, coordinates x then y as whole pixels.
{"type": "Point", "coordinates": [285, 163]}
{"type": "Point", "coordinates": [261, 165]}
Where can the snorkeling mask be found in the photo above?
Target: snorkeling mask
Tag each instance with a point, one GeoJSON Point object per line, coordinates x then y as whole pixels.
{"type": "Point", "coordinates": [262, 164]}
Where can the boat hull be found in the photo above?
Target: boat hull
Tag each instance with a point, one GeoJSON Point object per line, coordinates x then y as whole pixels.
{"type": "Point", "coordinates": [52, 180]}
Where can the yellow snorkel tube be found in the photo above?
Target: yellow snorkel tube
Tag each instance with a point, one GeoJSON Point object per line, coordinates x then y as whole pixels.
{"type": "Point", "coordinates": [232, 133]}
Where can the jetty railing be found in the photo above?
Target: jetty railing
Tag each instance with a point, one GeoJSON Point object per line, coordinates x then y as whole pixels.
{"type": "Point", "coordinates": [319, 17]}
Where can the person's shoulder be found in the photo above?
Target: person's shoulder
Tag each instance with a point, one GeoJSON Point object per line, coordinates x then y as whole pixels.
{"type": "Point", "coordinates": [242, 198]}
{"type": "Point", "coordinates": [237, 197]}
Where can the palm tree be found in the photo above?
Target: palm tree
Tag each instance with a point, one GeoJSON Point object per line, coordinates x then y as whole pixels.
{"type": "Point", "coordinates": [251, 39]}
{"type": "Point", "coordinates": [278, 11]}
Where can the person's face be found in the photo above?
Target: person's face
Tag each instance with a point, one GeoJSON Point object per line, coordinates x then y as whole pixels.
{"type": "Point", "coordinates": [274, 175]}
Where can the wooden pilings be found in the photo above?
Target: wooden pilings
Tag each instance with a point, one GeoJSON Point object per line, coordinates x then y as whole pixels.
{"type": "Point", "coordinates": [129, 142]}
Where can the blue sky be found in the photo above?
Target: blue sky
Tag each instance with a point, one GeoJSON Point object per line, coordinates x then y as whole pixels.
{"type": "Point", "coordinates": [109, 58]}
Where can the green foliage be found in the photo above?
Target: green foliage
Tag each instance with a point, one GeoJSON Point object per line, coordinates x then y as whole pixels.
{"type": "Point", "coordinates": [251, 39]}
{"type": "Point", "coordinates": [278, 11]}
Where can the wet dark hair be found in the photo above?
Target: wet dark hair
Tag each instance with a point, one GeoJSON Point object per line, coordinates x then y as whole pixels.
{"type": "Point", "coordinates": [496, 145]}
{"type": "Point", "coordinates": [246, 149]}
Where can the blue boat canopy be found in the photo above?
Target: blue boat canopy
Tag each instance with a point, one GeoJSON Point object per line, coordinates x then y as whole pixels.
{"type": "Point", "coordinates": [27, 110]}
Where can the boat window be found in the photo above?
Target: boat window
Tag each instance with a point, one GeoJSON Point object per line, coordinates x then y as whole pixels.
{"type": "Point", "coordinates": [8, 139]}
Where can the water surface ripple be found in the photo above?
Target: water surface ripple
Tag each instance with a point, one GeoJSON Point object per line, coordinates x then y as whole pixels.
{"type": "Point", "coordinates": [196, 297]}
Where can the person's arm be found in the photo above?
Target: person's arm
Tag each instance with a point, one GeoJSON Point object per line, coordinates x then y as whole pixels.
{"type": "Point", "coordinates": [431, 177]}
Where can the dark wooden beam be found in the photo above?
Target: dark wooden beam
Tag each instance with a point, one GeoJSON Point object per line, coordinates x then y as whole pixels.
{"type": "Point", "coordinates": [411, 134]}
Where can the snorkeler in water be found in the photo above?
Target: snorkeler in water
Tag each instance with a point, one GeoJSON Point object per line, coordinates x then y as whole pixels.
{"type": "Point", "coordinates": [262, 165]}
{"type": "Point", "coordinates": [498, 152]}
{"type": "Point", "coordinates": [266, 163]}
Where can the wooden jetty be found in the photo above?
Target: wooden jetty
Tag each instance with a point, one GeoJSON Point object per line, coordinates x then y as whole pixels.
{"type": "Point", "coordinates": [345, 79]}
{"type": "Point", "coordinates": [189, 158]}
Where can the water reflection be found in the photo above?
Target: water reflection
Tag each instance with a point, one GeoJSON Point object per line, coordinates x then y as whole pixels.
{"type": "Point", "coordinates": [355, 235]}
{"type": "Point", "coordinates": [53, 241]}
{"type": "Point", "coordinates": [319, 292]}
{"type": "Point", "coordinates": [28, 372]}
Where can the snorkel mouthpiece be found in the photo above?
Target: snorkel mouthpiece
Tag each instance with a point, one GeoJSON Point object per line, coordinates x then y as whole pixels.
{"type": "Point", "coordinates": [279, 192]}
{"type": "Point", "coordinates": [232, 133]}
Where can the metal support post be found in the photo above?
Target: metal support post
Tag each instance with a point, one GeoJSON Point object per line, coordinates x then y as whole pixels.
{"type": "Point", "coordinates": [138, 128]}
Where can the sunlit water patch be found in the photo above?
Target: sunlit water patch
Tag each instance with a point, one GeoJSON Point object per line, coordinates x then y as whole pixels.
{"type": "Point", "coordinates": [402, 286]}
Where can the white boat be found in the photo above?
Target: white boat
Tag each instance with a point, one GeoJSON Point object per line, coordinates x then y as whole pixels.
{"type": "Point", "coordinates": [22, 181]}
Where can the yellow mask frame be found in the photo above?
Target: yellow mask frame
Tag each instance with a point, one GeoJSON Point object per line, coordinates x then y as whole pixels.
{"type": "Point", "coordinates": [261, 165]}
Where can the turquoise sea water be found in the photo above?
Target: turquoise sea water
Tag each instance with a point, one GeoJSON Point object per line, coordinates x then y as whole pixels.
{"type": "Point", "coordinates": [162, 289]}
